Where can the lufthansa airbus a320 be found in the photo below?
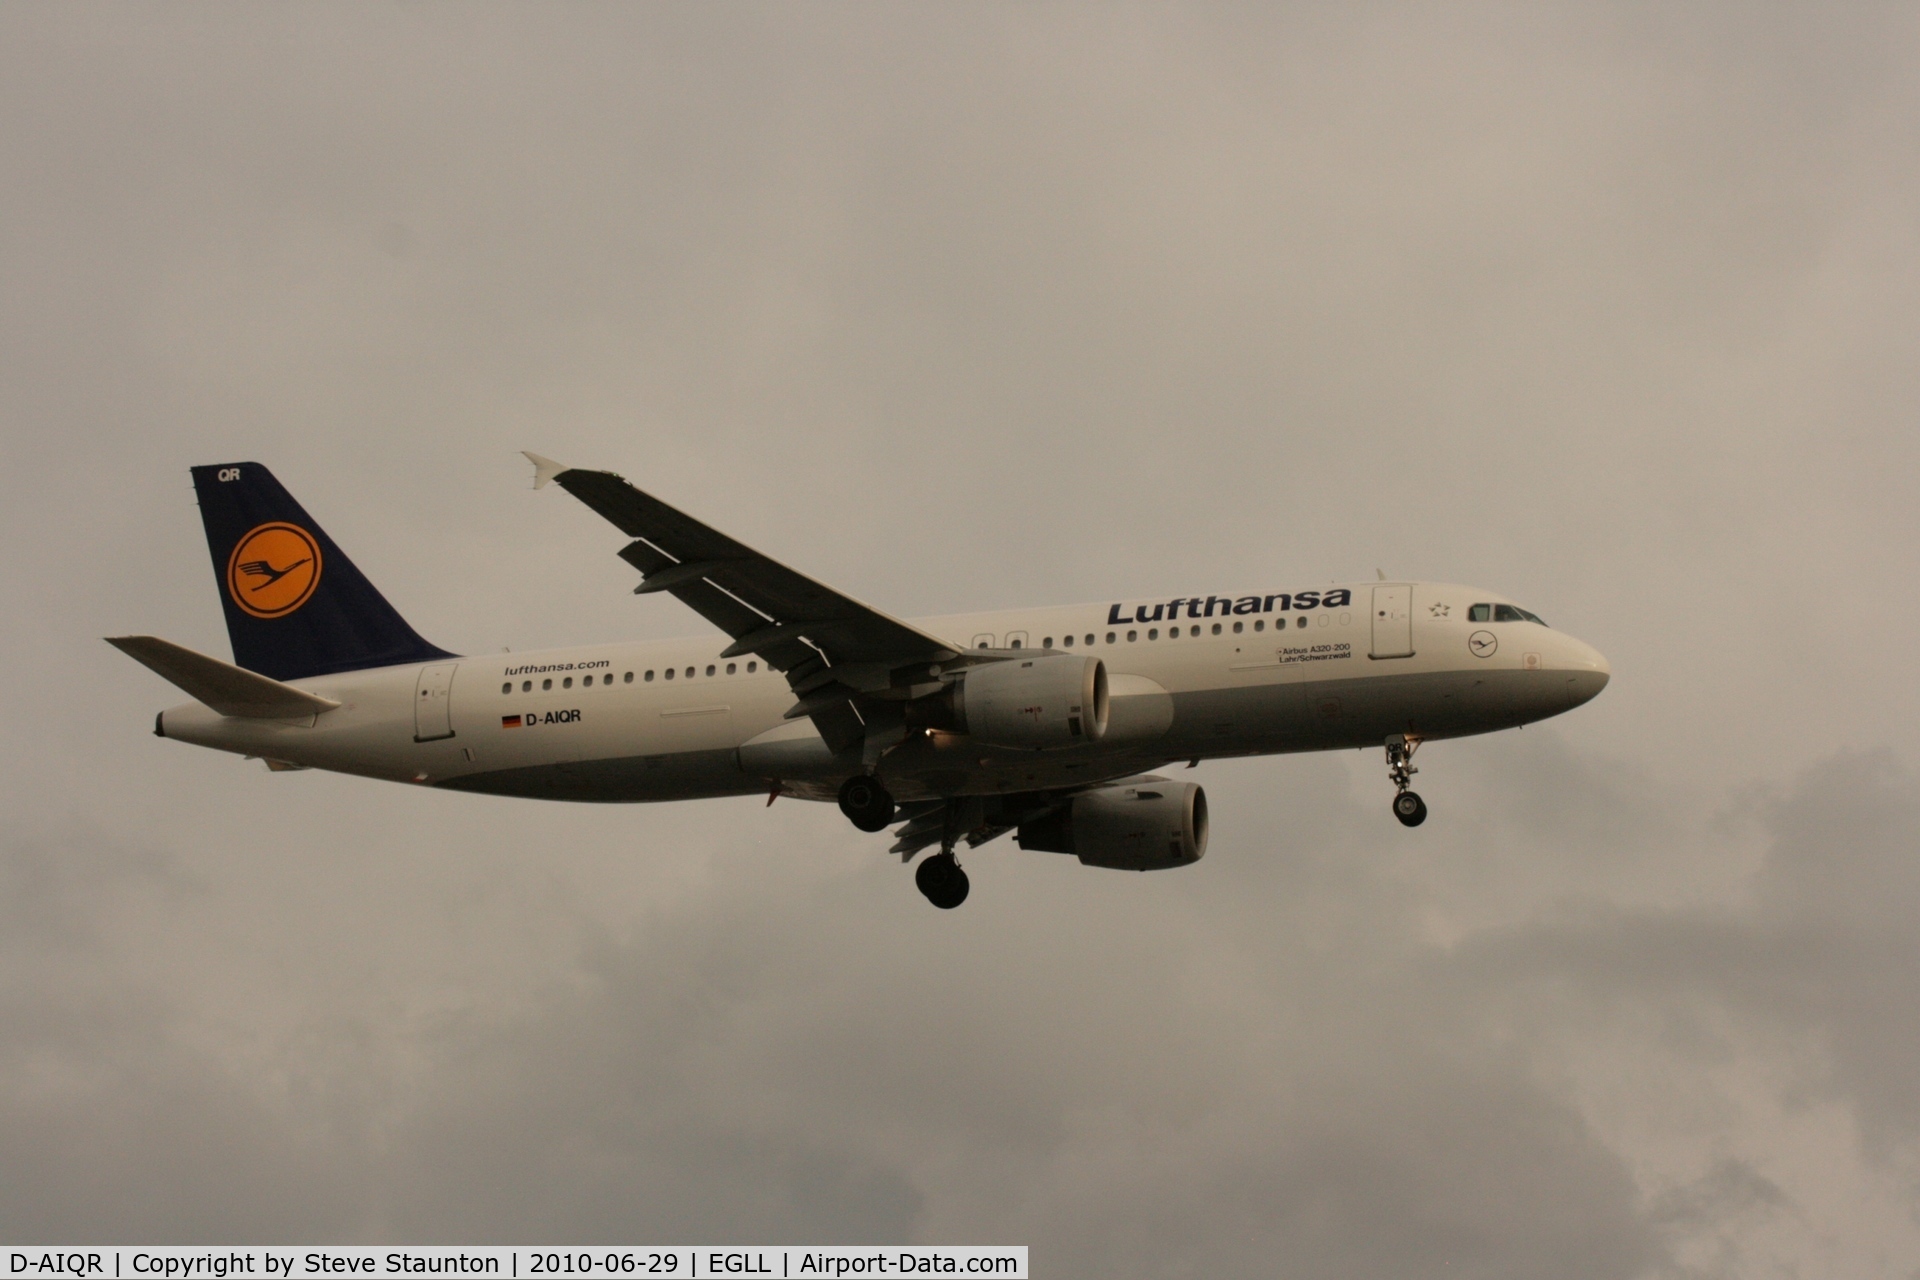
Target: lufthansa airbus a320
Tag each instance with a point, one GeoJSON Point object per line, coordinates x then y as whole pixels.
{"type": "Point", "coordinates": [1042, 722]}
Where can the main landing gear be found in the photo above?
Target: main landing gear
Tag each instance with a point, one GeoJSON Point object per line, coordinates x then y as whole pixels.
{"type": "Point", "coordinates": [867, 804]}
{"type": "Point", "coordinates": [869, 807]}
{"type": "Point", "coordinates": [942, 880]}
{"type": "Point", "coordinates": [1407, 806]}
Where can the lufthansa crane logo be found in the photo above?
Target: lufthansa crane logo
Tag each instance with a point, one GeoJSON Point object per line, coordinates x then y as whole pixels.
{"type": "Point", "coordinates": [273, 569]}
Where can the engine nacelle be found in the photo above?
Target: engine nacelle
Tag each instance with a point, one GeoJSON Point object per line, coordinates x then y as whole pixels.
{"type": "Point", "coordinates": [1054, 701]}
{"type": "Point", "coordinates": [1146, 826]}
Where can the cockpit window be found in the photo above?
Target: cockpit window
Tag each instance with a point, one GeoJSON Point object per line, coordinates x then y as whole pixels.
{"type": "Point", "coordinates": [1480, 613]}
{"type": "Point", "coordinates": [1511, 613]}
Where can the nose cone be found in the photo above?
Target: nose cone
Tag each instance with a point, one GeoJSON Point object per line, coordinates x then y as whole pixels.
{"type": "Point", "coordinates": [1587, 672]}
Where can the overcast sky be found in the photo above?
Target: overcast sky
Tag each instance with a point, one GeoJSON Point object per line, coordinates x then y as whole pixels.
{"type": "Point", "coordinates": [1611, 309]}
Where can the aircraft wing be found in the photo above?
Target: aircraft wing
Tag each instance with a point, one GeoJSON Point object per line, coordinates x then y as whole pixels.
{"type": "Point", "coordinates": [831, 647]}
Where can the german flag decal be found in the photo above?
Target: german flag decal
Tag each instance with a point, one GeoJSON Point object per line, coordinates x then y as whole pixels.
{"type": "Point", "coordinates": [509, 722]}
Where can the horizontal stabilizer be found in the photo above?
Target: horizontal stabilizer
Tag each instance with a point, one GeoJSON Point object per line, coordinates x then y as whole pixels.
{"type": "Point", "coordinates": [230, 690]}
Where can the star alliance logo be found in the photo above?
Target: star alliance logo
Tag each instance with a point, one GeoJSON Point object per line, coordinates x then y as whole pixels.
{"type": "Point", "coordinates": [1438, 610]}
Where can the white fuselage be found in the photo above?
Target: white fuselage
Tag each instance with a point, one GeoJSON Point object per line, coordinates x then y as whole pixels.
{"type": "Point", "coordinates": [673, 720]}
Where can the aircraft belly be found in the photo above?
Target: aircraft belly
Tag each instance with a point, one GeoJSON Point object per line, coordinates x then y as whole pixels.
{"type": "Point", "coordinates": [686, 775]}
{"type": "Point", "coordinates": [1255, 718]}
{"type": "Point", "coordinates": [1502, 698]}
{"type": "Point", "coordinates": [1364, 711]}
{"type": "Point", "coordinates": [951, 766]}
{"type": "Point", "coordinates": [1292, 715]}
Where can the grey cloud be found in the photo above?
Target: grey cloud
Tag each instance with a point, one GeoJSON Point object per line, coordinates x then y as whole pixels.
{"type": "Point", "coordinates": [1825, 949]}
{"type": "Point", "coordinates": [1717, 1213]}
{"type": "Point", "coordinates": [787, 1054]}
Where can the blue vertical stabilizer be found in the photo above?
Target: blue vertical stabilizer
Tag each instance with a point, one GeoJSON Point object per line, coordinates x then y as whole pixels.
{"type": "Point", "coordinates": [295, 605]}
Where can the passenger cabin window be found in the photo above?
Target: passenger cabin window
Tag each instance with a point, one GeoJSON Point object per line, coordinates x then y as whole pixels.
{"type": "Point", "coordinates": [546, 684]}
{"type": "Point", "coordinates": [709, 668]}
{"type": "Point", "coordinates": [731, 668]}
{"type": "Point", "coordinates": [669, 673]}
{"type": "Point", "coordinates": [628, 678]}
{"type": "Point", "coordinates": [752, 667]}
{"type": "Point", "coordinates": [526, 686]}
{"type": "Point", "coordinates": [1067, 641]}
{"type": "Point", "coordinates": [649, 675]}
{"type": "Point", "coordinates": [1090, 639]}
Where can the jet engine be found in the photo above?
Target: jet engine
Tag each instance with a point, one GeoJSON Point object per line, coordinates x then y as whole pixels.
{"type": "Point", "coordinates": [1056, 701]}
{"type": "Point", "coordinates": [1146, 826]}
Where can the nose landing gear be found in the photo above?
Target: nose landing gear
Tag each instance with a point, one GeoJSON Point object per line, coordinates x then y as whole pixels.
{"type": "Point", "coordinates": [1407, 806]}
{"type": "Point", "coordinates": [1410, 809]}
{"type": "Point", "coordinates": [867, 804]}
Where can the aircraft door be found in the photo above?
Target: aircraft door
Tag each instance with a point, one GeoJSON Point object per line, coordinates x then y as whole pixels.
{"type": "Point", "coordinates": [433, 703]}
{"type": "Point", "coordinates": [1393, 621]}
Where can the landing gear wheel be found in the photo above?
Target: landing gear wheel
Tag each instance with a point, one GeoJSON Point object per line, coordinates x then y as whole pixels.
{"type": "Point", "coordinates": [866, 803]}
{"type": "Point", "coordinates": [942, 880]}
{"type": "Point", "coordinates": [1410, 809]}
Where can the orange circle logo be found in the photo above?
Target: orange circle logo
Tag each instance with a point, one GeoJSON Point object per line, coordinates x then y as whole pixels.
{"type": "Point", "coordinates": [273, 570]}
